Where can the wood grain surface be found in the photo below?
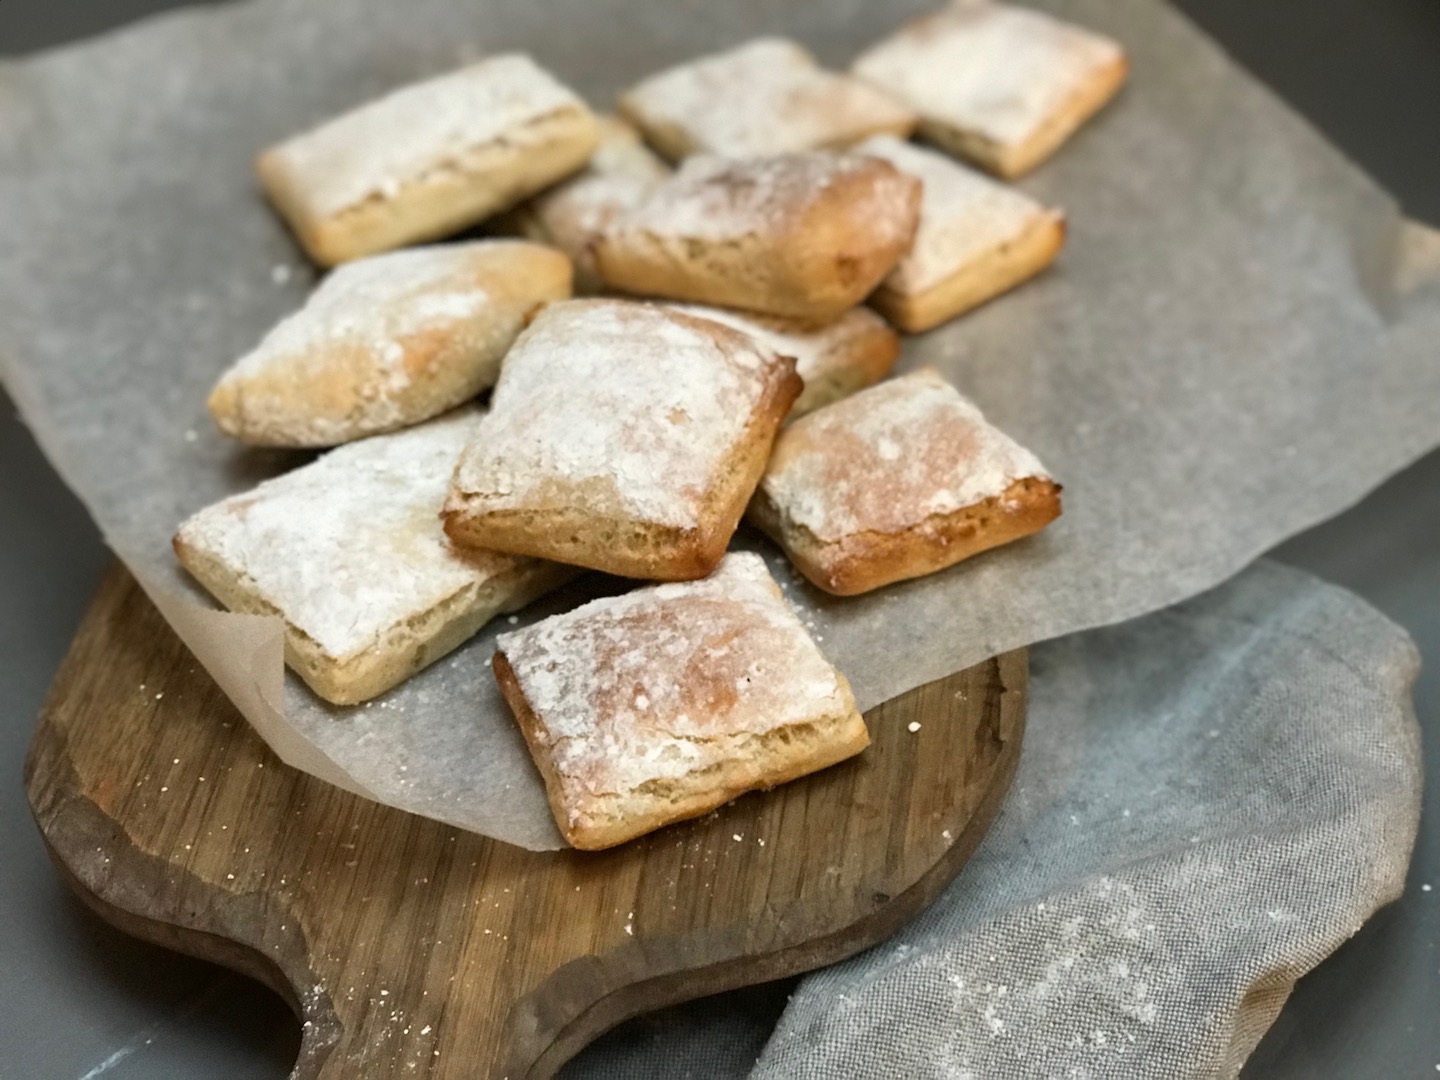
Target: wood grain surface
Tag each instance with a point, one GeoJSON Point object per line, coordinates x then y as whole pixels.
{"type": "Point", "coordinates": [411, 949]}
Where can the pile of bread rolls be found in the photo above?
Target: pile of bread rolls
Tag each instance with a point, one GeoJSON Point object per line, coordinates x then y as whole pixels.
{"type": "Point", "coordinates": [728, 359]}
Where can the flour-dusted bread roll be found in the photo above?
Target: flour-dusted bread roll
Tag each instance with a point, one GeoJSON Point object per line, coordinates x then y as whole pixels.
{"type": "Point", "coordinates": [660, 705]}
{"type": "Point", "coordinates": [800, 235]}
{"type": "Point", "coordinates": [768, 96]}
{"type": "Point", "coordinates": [833, 359]}
{"type": "Point", "coordinates": [624, 437]}
{"type": "Point", "coordinates": [1002, 86]}
{"type": "Point", "coordinates": [349, 552]}
{"type": "Point", "coordinates": [573, 213]}
{"type": "Point", "coordinates": [428, 160]}
{"type": "Point", "coordinates": [977, 239]}
{"type": "Point", "coordinates": [901, 480]}
{"type": "Point", "coordinates": [387, 342]}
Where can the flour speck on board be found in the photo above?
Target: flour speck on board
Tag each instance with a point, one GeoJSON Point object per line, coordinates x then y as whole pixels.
{"type": "Point", "coordinates": [993, 1022]}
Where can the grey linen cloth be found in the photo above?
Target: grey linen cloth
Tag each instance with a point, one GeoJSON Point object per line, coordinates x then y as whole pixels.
{"type": "Point", "coordinates": [1211, 799]}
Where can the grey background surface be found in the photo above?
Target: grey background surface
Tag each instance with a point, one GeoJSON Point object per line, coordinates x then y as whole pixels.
{"type": "Point", "coordinates": [79, 1001]}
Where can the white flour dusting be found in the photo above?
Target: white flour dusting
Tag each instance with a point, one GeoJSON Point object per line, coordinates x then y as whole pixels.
{"type": "Point", "coordinates": [964, 215]}
{"type": "Point", "coordinates": [351, 545]}
{"type": "Point", "coordinates": [997, 70]}
{"type": "Point", "coordinates": [378, 148]}
{"type": "Point", "coordinates": [723, 656]}
{"type": "Point", "coordinates": [890, 457]}
{"type": "Point", "coordinates": [630, 407]}
{"type": "Point", "coordinates": [768, 96]}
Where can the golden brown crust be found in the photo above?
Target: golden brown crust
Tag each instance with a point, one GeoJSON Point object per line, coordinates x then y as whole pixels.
{"type": "Point", "coordinates": [837, 263]}
{"type": "Point", "coordinates": [335, 380]}
{"type": "Point", "coordinates": [845, 737]}
{"type": "Point", "coordinates": [591, 815]}
{"type": "Point", "coordinates": [810, 253]}
{"type": "Point", "coordinates": [861, 360]}
{"type": "Point", "coordinates": [639, 549]}
{"type": "Point", "coordinates": [426, 637]}
{"type": "Point", "coordinates": [573, 213]}
{"type": "Point", "coordinates": [427, 160]}
{"type": "Point", "coordinates": [596, 833]}
{"type": "Point", "coordinates": [362, 515]}
{"type": "Point", "coordinates": [834, 359]}
{"type": "Point", "coordinates": [676, 432]}
{"type": "Point", "coordinates": [902, 479]}
{"type": "Point", "coordinates": [868, 560]}
{"type": "Point", "coordinates": [1013, 161]}
{"type": "Point", "coordinates": [482, 183]}
{"type": "Point", "coordinates": [975, 284]}
{"type": "Point", "coordinates": [665, 137]}
{"type": "Point", "coordinates": [534, 733]}
{"type": "Point", "coordinates": [766, 96]}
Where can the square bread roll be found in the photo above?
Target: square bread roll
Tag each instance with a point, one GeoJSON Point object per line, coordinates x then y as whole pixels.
{"type": "Point", "coordinates": [349, 552]}
{"type": "Point", "coordinates": [800, 235]}
{"type": "Point", "coordinates": [387, 342]}
{"type": "Point", "coordinates": [833, 360]}
{"type": "Point", "coordinates": [977, 239]}
{"type": "Point", "coordinates": [428, 160]}
{"type": "Point", "coordinates": [623, 437]}
{"type": "Point", "coordinates": [768, 96]}
{"type": "Point", "coordinates": [573, 213]}
{"type": "Point", "coordinates": [1002, 86]}
{"type": "Point", "coordinates": [901, 480]}
{"type": "Point", "coordinates": [662, 704]}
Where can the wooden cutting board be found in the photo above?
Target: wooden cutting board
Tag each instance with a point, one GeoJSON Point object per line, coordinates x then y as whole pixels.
{"type": "Point", "coordinates": [411, 949]}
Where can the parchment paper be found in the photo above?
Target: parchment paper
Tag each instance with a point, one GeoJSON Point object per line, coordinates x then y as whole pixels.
{"type": "Point", "coordinates": [1239, 341]}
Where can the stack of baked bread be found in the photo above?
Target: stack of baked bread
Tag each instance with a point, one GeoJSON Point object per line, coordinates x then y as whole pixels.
{"type": "Point", "coordinates": [725, 365]}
